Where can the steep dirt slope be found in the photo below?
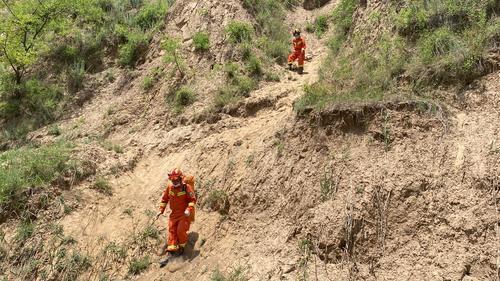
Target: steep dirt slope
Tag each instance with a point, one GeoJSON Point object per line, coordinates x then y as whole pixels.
{"type": "Point", "coordinates": [395, 191]}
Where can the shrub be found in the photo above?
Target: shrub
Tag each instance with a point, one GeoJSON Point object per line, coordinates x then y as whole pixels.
{"type": "Point", "coordinates": [130, 52]}
{"type": "Point", "coordinates": [147, 83]}
{"type": "Point", "coordinates": [201, 41]}
{"type": "Point", "coordinates": [254, 66]}
{"type": "Point", "coordinates": [182, 98]}
{"type": "Point", "coordinates": [217, 200]}
{"type": "Point", "coordinates": [103, 186]}
{"type": "Point", "coordinates": [136, 266]}
{"type": "Point", "coordinates": [239, 32]}
{"type": "Point", "coordinates": [150, 14]}
{"type": "Point", "coordinates": [321, 25]}
{"type": "Point", "coordinates": [41, 101]}
{"type": "Point", "coordinates": [75, 76]}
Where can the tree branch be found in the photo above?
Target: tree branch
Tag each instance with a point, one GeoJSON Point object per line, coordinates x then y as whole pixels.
{"type": "Point", "coordinates": [10, 10]}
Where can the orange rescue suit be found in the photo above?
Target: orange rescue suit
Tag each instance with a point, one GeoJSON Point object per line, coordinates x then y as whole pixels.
{"type": "Point", "coordinates": [181, 199]}
{"type": "Point", "coordinates": [299, 51]}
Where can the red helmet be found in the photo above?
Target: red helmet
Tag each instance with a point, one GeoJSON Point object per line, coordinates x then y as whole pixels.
{"type": "Point", "coordinates": [175, 174]}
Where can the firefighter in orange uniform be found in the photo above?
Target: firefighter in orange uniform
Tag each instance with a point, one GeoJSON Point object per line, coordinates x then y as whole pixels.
{"type": "Point", "coordinates": [299, 51]}
{"type": "Point", "coordinates": [180, 194]}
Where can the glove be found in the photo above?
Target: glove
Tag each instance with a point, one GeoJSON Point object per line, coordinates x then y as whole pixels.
{"type": "Point", "coordinates": [187, 213]}
{"type": "Point", "coordinates": [158, 215]}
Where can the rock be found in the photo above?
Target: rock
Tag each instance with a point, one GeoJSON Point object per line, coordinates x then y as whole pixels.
{"type": "Point", "coordinates": [288, 268]}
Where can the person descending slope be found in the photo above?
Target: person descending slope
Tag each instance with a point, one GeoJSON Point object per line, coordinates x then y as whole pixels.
{"type": "Point", "coordinates": [182, 199]}
{"type": "Point", "coordinates": [299, 51]}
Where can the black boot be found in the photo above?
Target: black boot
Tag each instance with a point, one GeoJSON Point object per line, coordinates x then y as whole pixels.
{"type": "Point", "coordinates": [300, 70]}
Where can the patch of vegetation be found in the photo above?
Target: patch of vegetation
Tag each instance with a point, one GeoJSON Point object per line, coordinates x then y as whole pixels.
{"type": "Point", "coordinates": [116, 251]}
{"type": "Point", "coordinates": [182, 98]}
{"type": "Point", "coordinates": [172, 48]}
{"type": "Point", "coordinates": [148, 83]}
{"type": "Point", "coordinates": [239, 32]}
{"type": "Point", "coordinates": [109, 146]}
{"type": "Point", "coordinates": [135, 46]}
{"type": "Point", "coordinates": [24, 231]}
{"type": "Point", "coordinates": [217, 200]}
{"type": "Point", "coordinates": [437, 43]}
{"type": "Point", "coordinates": [327, 186]}
{"type": "Point", "coordinates": [201, 41]}
{"type": "Point", "coordinates": [237, 274]}
{"type": "Point", "coordinates": [71, 267]}
{"type": "Point", "coordinates": [24, 168]}
{"type": "Point", "coordinates": [137, 266]}
{"type": "Point", "coordinates": [319, 26]}
{"type": "Point", "coordinates": [103, 186]}
{"type": "Point", "coordinates": [150, 232]}
{"type": "Point", "coordinates": [151, 14]}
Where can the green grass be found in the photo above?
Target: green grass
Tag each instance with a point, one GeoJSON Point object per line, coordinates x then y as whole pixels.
{"type": "Point", "coordinates": [201, 41]}
{"type": "Point", "coordinates": [321, 25]}
{"type": "Point", "coordinates": [137, 266]}
{"type": "Point", "coordinates": [183, 98]}
{"type": "Point", "coordinates": [24, 232]}
{"type": "Point", "coordinates": [239, 32]}
{"type": "Point", "coordinates": [103, 186]}
{"type": "Point", "coordinates": [71, 267]}
{"type": "Point", "coordinates": [148, 83]}
{"type": "Point", "coordinates": [109, 146]}
{"type": "Point", "coordinates": [135, 46]}
{"type": "Point", "coordinates": [23, 168]}
{"type": "Point", "coordinates": [237, 274]}
{"type": "Point", "coordinates": [151, 14]}
{"type": "Point", "coordinates": [441, 43]}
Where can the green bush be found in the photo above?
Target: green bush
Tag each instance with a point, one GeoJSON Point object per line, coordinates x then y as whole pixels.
{"type": "Point", "coordinates": [201, 41]}
{"type": "Point", "coordinates": [30, 167]}
{"type": "Point", "coordinates": [148, 83]}
{"type": "Point", "coordinates": [130, 52]}
{"type": "Point", "coordinates": [321, 25]}
{"type": "Point", "coordinates": [254, 66]}
{"type": "Point", "coordinates": [239, 32]}
{"type": "Point", "coordinates": [76, 76]}
{"type": "Point", "coordinates": [183, 97]}
{"type": "Point", "coordinates": [40, 101]}
{"type": "Point", "coordinates": [136, 266]}
{"type": "Point", "coordinates": [151, 14]}
{"type": "Point", "coordinates": [103, 186]}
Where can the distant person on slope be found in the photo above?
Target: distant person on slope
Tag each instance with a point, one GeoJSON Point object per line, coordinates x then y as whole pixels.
{"type": "Point", "coordinates": [299, 51]}
{"type": "Point", "coordinates": [180, 194]}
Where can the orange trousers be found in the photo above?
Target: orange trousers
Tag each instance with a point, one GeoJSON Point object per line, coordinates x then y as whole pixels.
{"type": "Point", "coordinates": [177, 233]}
{"type": "Point", "coordinates": [297, 55]}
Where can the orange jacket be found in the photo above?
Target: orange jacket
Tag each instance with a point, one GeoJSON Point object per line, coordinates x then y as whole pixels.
{"type": "Point", "coordinates": [299, 44]}
{"type": "Point", "coordinates": [180, 199]}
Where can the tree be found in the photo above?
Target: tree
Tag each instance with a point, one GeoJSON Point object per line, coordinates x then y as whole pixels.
{"type": "Point", "coordinates": [171, 47]}
{"type": "Point", "coordinates": [25, 26]}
